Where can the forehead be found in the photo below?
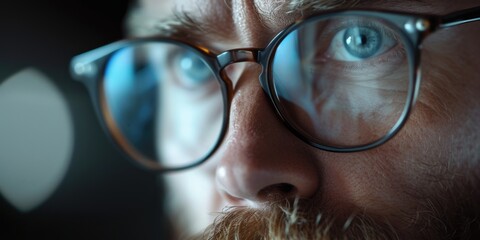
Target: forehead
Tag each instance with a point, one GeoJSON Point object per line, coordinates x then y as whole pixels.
{"type": "Point", "coordinates": [165, 7]}
{"type": "Point", "coordinates": [276, 7]}
{"type": "Point", "coordinates": [221, 24]}
{"type": "Point", "coordinates": [238, 16]}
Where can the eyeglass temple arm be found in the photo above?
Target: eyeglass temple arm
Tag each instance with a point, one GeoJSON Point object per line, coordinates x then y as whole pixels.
{"type": "Point", "coordinates": [460, 17]}
{"type": "Point", "coordinates": [84, 66]}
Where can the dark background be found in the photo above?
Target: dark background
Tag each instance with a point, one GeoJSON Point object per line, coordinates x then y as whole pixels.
{"type": "Point", "coordinates": [103, 196]}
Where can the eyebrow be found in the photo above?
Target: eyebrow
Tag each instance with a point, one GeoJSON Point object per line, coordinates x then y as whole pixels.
{"type": "Point", "coordinates": [299, 7]}
{"type": "Point", "coordinates": [308, 5]}
{"type": "Point", "coordinates": [182, 25]}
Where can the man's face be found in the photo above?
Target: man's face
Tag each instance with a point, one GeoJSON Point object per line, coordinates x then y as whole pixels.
{"type": "Point", "coordinates": [423, 181]}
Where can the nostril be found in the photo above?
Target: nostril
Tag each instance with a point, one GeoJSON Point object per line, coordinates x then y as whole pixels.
{"type": "Point", "coordinates": [277, 192]}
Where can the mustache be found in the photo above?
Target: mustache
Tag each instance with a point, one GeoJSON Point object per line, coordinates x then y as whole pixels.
{"type": "Point", "coordinates": [296, 220]}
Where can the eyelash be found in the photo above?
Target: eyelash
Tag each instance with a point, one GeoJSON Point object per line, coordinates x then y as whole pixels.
{"type": "Point", "coordinates": [397, 51]}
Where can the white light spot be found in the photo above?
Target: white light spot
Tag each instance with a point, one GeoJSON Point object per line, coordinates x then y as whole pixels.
{"type": "Point", "coordinates": [422, 25]}
{"type": "Point", "coordinates": [36, 139]}
{"type": "Point", "coordinates": [349, 40]}
{"type": "Point", "coordinates": [409, 27]}
{"type": "Point", "coordinates": [221, 172]}
{"type": "Point", "coordinates": [186, 63]}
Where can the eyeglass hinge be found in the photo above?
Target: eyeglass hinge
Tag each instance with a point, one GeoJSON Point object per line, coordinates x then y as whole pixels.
{"type": "Point", "coordinates": [83, 70]}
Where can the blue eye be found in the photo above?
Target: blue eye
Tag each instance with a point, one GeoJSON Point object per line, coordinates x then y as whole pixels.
{"type": "Point", "coordinates": [191, 70]}
{"type": "Point", "coordinates": [358, 43]}
{"type": "Point", "coordinates": [362, 42]}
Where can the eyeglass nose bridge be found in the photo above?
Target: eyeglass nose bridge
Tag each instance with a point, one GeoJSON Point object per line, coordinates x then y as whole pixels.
{"type": "Point", "coordinates": [238, 55]}
{"type": "Point", "coordinates": [232, 56]}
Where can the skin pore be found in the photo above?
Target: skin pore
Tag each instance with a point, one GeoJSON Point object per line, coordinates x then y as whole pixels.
{"type": "Point", "coordinates": [421, 184]}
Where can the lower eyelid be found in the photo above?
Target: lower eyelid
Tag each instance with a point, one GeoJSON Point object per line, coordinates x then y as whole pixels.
{"type": "Point", "coordinates": [194, 92]}
{"type": "Point", "coordinates": [395, 56]}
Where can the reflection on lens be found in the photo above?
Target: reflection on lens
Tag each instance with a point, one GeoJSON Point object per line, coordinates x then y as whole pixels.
{"type": "Point", "coordinates": [164, 102]}
{"type": "Point", "coordinates": [342, 82]}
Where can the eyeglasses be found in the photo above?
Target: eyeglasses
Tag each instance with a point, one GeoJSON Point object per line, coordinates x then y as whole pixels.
{"type": "Point", "coordinates": [342, 81]}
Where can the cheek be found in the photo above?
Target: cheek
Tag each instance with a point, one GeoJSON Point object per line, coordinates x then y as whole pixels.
{"type": "Point", "coordinates": [191, 199]}
{"type": "Point", "coordinates": [378, 181]}
{"type": "Point", "coordinates": [449, 95]}
{"type": "Point", "coordinates": [441, 137]}
{"type": "Point", "coordinates": [450, 86]}
{"type": "Point", "coordinates": [451, 79]}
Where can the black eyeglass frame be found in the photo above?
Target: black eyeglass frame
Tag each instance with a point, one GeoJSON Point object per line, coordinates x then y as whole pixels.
{"type": "Point", "coordinates": [413, 29]}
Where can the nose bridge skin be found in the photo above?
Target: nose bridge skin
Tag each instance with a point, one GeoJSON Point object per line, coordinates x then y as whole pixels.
{"type": "Point", "coordinates": [260, 160]}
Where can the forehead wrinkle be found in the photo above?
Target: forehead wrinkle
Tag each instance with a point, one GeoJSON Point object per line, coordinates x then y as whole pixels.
{"type": "Point", "coordinates": [274, 15]}
{"type": "Point", "coordinates": [224, 17]}
{"type": "Point", "coordinates": [278, 14]}
{"type": "Point", "coordinates": [237, 23]}
{"type": "Point", "coordinates": [257, 23]}
{"type": "Point", "coordinates": [251, 23]}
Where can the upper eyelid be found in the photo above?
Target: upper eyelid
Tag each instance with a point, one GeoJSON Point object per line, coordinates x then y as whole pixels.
{"type": "Point", "coordinates": [378, 25]}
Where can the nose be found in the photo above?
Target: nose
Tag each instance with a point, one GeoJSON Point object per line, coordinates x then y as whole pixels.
{"type": "Point", "coordinates": [260, 160]}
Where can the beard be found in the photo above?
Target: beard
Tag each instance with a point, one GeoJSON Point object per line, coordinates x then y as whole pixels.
{"type": "Point", "coordinates": [292, 221]}
{"type": "Point", "coordinates": [452, 214]}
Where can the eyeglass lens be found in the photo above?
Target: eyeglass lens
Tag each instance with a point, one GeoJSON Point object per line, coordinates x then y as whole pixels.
{"type": "Point", "coordinates": [341, 81]}
{"type": "Point", "coordinates": [165, 101]}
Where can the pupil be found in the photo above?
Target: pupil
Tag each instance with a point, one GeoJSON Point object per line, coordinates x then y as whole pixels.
{"type": "Point", "coordinates": [361, 40]}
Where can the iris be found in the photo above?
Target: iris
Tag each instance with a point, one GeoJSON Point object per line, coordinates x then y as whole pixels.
{"type": "Point", "coordinates": [194, 72]}
{"type": "Point", "coordinates": [362, 42]}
